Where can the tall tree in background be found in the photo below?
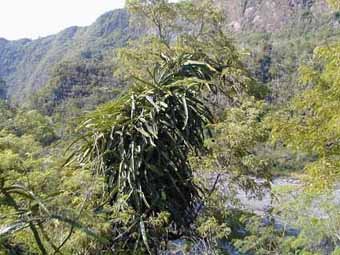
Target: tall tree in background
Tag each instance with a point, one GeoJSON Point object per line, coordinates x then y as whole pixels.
{"type": "Point", "coordinates": [311, 123]}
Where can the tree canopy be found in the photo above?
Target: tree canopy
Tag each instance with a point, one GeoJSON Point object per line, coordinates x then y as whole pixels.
{"type": "Point", "coordinates": [311, 122]}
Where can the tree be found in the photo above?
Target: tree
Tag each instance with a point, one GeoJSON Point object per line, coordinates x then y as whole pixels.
{"type": "Point", "coordinates": [160, 14]}
{"type": "Point", "coordinates": [235, 148]}
{"type": "Point", "coordinates": [139, 146]}
{"type": "Point", "coordinates": [311, 121]}
{"type": "Point", "coordinates": [35, 124]}
{"type": "Point", "coordinates": [75, 86]}
{"type": "Point", "coordinates": [169, 20]}
{"type": "Point", "coordinates": [142, 142]}
{"type": "Point", "coordinates": [334, 4]}
{"type": "Point", "coordinates": [140, 54]}
{"type": "Point", "coordinates": [37, 194]}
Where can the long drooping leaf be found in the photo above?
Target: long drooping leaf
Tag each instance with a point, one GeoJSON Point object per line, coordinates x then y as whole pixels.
{"type": "Point", "coordinates": [142, 143]}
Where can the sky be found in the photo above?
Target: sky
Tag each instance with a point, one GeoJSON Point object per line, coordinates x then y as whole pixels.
{"type": "Point", "coordinates": [38, 18]}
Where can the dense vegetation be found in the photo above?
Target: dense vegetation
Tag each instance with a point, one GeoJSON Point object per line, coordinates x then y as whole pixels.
{"type": "Point", "coordinates": [137, 150]}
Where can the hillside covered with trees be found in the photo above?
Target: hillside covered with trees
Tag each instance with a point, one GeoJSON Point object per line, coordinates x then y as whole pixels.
{"type": "Point", "coordinates": [188, 127]}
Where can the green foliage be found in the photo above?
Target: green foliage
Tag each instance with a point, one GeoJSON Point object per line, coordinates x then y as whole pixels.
{"type": "Point", "coordinates": [205, 40]}
{"type": "Point", "coordinates": [275, 58]}
{"type": "Point", "coordinates": [238, 137]}
{"type": "Point", "coordinates": [158, 13]}
{"type": "Point", "coordinates": [311, 122]}
{"type": "Point", "coordinates": [76, 86]}
{"type": "Point", "coordinates": [301, 231]}
{"type": "Point", "coordinates": [334, 4]}
{"type": "Point", "coordinates": [169, 20]}
{"type": "Point", "coordinates": [336, 252]}
{"type": "Point", "coordinates": [39, 202]}
{"type": "Point", "coordinates": [35, 124]}
{"type": "Point", "coordinates": [24, 122]}
{"type": "Point", "coordinates": [166, 159]}
{"type": "Point", "coordinates": [6, 114]}
{"type": "Point", "coordinates": [261, 239]}
{"type": "Point", "coordinates": [315, 215]}
{"type": "Point", "coordinates": [142, 141]}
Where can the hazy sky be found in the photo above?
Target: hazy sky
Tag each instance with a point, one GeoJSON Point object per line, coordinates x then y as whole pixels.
{"type": "Point", "coordinates": [37, 18]}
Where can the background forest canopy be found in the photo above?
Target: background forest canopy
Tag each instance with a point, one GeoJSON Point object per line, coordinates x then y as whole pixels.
{"type": "Point", "coordinates": [174, 131]}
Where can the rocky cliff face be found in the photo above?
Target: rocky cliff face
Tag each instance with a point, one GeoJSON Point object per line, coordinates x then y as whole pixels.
{"type": "Point", "coordinates": [272, 15]}
{"type": "Point", "coordinates": [26, 65]}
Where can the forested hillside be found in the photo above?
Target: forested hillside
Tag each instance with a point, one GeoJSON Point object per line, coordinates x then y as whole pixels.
{"type": "Point", "coordinates": [27, 65]}
{"type": "Point", "coordinates": [266, 27]}
{"type": "Point", "coordinates": [189, 127]}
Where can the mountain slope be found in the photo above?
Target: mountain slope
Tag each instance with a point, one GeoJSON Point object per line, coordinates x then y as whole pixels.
{"type": "Point", "coordinates": [27, 65]}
